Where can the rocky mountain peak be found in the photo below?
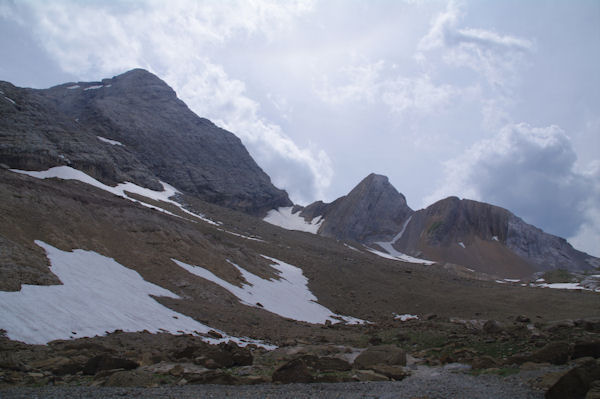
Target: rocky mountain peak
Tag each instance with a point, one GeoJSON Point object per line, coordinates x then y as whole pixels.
{"type": "Point", "coordinates": [373, 210]}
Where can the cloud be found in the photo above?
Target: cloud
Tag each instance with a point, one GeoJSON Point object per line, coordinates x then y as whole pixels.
{"type": "Point", "coordinates": [530, 171]}
{"type": "Point", "coordinates": [176, 41]}
{"type": "Point", "coordinates": [378, 83]}
{"type": "Point", "coordinates": [495, 56]}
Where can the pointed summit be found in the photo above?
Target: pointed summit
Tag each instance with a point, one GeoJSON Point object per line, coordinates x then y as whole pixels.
{"type": "Point", "coordinates": [372, 211]}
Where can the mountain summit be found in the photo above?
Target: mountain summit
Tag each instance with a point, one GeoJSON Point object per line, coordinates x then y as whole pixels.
{"type": "Point", "coordinates": [132, 127]}
{"type": "Point", "coordinates": [372, 210]}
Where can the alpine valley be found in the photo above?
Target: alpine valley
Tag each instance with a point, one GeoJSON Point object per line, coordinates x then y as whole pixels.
{"type": "Point", "coordinates": [141, 245]}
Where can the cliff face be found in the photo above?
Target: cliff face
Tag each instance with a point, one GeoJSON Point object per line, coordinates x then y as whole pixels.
{"type": "Point", "coordinates": [159, 138]}
{"type": "Point", "coordinates": [487, 238]}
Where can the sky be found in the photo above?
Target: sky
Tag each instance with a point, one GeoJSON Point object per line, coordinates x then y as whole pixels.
{"type": "Point", "coordinates": [496, 101]}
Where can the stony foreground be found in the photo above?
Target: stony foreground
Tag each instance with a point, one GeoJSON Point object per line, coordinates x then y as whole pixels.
{"type": "Point", "coordinates": [431, 383]}
{"type": "Point", "coordinates": [436, 358]}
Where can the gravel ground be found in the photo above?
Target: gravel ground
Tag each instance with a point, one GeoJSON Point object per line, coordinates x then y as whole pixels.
{"type": "Point", "coordinates": [430, 383]}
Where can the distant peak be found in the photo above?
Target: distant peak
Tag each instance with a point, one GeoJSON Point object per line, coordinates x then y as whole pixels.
{"type": "Point", "coordinates": [138, 75]}
{"type": "Point", "coordinates": [374, 180]}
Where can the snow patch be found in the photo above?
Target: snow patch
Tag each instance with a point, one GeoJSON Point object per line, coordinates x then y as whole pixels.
{"type": "Point", "coordinates": [283, 217]}
{"type": "Point", "coordinates": [562, 286]}
{"type": "Point", "coordinates": [512, 280]}
{"type": "Point", "coordinates": [241, 235]}
{"type": "Point", "coordinates": [462, 244]}
{"type": "Point", "coordinates": [13, 103]}
{"type": "Point", "coordinates": [288, 296]}
{"type": "Point", "coordinates": [351, 247]}
{"type": "Point", "coordinates": [73, 87]}
{"type": "Point", "coordinates": [394, 254]}
{"type": "Point", "coordinates": [98, 295]}
{"type": "Point", "coordinates": [68, 173]}
{"type": "Point", "coordinates": [495, 238]}
{"type": "Point", "coordinates": [402, 230]}
{"type": "Point", "coordinates": [95, 87]}
{"type": "Point", "coordinates": [405, 317]}
{"type": "Point", "coordinates": [109, 141]}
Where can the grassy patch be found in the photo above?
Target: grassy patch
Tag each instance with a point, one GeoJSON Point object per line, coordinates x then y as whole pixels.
{"type": "Point", "coordinates": [434, 226]}
{"type": "Point", "coordinates": [558, 276]}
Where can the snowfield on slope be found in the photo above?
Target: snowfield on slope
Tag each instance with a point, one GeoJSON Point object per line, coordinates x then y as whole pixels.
{"type": "Point", "coordinates": [392, 253]}
{"type": "Point", "coordinates": [287, 296]}
{"type": "Point", "coordinates": [283, 217]}
{"type": "Point", "coordinates": [98, 295]}
{"type": "Point", "coordinates": [121, 189]}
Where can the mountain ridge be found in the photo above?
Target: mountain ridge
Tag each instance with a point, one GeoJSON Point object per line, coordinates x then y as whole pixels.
{"type": "Point", "coordinates": [481, 236]}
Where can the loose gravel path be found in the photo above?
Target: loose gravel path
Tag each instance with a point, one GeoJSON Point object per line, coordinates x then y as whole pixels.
{"type": "Point", "coordinates": [430, 383]}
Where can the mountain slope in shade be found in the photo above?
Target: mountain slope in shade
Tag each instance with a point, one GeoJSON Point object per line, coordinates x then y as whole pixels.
{"type": "Point", "coordinates": [132, 128]}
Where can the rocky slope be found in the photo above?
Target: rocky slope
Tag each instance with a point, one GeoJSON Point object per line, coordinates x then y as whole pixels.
{"type": "Point", "coordinates": [131, 128]}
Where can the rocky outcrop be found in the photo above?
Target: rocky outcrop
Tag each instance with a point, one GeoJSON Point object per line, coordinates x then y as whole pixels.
{"type": "Point", "coordinates": [488, 239]}
{"type": "Point", "coordinates": [155, 136]}
{"type": "Point", "coordinates": [373, 210]}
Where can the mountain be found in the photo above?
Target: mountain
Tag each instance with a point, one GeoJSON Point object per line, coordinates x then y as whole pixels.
{"type": "Point", "coordinates": [131, 128]}
{"type": "Point", "coordinates": [476, 235]}
{"type": "Point", "coordinates": [132, 252]}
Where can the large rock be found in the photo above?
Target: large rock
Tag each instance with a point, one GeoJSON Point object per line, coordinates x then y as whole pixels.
{"type": "Point", "coordinates": [380, 355]}
{"type": "Point", "coordinates": [586, 349]}
{"type": "Point", "coordinates": [576, 382]}
{"type": "Point", "coordinates": [293, 371]}
{"type": "Point", "coordinates": [326, 363]}
{"type": "Point", "coordinates": [106, 362]}
{"type": "Point", "coordinates": [554, 352]}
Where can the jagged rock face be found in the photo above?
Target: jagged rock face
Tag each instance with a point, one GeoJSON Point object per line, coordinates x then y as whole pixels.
{"type": "Point", "coordinates": [545, 250]}
{"type": "Point", "coordinates": [372, 211]}
{"type": "Point", "coordinates": [162, 139]}
{"type": "Point", "coordinates": [486, 238]}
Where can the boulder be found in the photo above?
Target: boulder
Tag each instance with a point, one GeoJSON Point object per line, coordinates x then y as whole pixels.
{"type": "Point", "coordinates": [394, 372]}
{"type": "Point", "coordinates": [325, 363]}
{"type": "Point", "coordinates": [383, 354]}
{"type": "Point", "coordinates": [585, 349]}
{"type": "Point", "coordinates": [576, 382]}
{"type": "Point", "coordinates": [368, 375]}
{"type": "Point", "coordinates": [492, 327]}
{"type": "Point", "coordinates": [293, 371]}
{"type": "Point", "coordinates": [554, 352]}
{"type": "Point", "coordinates": [484, 362]}
{"type": "Point", "coordinates": [594, 392]}
{"type": "Point", "coordinates": [105, 362]}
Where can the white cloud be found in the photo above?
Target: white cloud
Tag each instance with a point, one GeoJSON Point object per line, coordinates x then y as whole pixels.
{"type": "Point", "coordinates": [531, 172]}
{"type": "Point", "coordinates": [379, 83]}
{"type": "Point", "coordinates": [174, 40]}
{"type": "Point", "coordinates": [495, 56]}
